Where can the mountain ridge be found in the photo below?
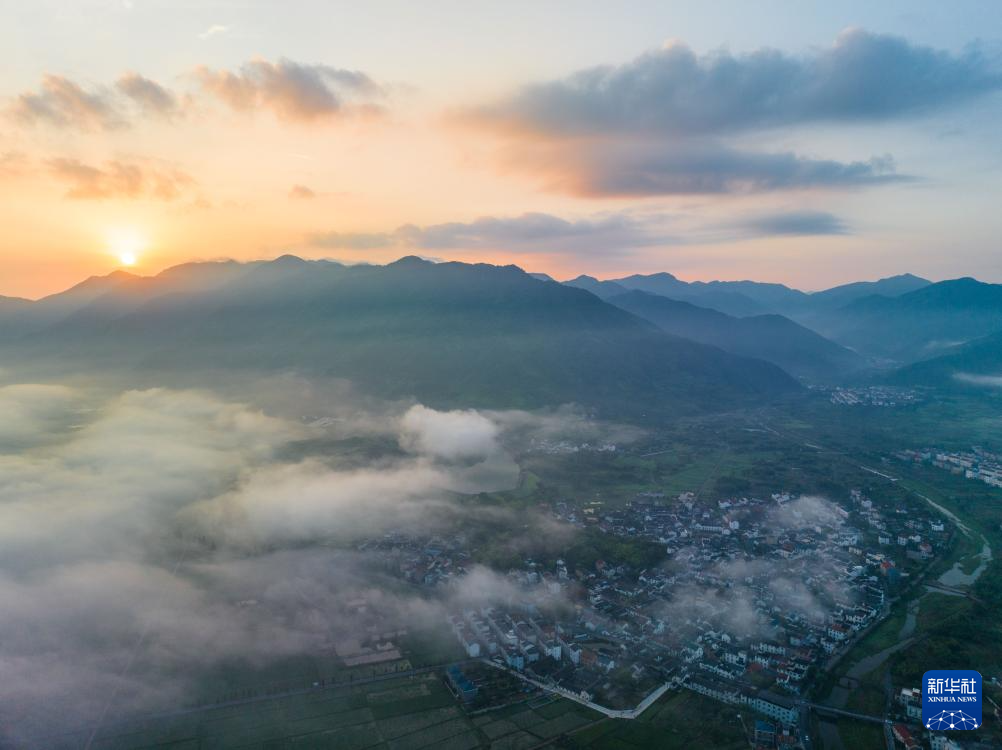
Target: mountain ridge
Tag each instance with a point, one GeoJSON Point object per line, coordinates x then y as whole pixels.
{"type": "Point", "coordinates": [771, 336]}
{"type": "Point", "coordinates": [448, 334]}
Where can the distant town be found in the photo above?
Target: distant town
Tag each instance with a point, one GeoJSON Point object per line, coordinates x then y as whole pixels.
{"type": "Point", "coordinates": [874, 395]}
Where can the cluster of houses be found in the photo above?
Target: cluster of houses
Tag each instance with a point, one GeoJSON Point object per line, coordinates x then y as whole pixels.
{"type": "Point", "coordinates": [910, 739]}
{"type": "Point", "coordinates": [909, 702]}
{"type": "Point", "coordinates": [914, 532]}
{"type": "Point", "coordinates": [426, 561]}
{"type": "Point", "coordinates": [519, 637]}
{"type": "Point", "coordinates": [564, 447]}
{"type": "Point", "coordinates": [874, 395]}
{"type": "Point", "coordinates": [752, 597]}
{"type": "Point", "coordinates": [976, 463]}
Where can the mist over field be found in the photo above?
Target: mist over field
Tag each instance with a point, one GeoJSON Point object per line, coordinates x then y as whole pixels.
{"type": "Point", "coordinates": [152, 537]}
{"type": "Point", "coordinates": [148, 536]}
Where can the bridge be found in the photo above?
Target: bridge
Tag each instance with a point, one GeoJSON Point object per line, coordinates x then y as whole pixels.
{"type": "Point", "coordinates": [822, 708]}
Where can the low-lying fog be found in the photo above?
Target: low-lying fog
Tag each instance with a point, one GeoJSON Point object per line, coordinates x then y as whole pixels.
{"type": "Point", "coordinates": [147, 534]}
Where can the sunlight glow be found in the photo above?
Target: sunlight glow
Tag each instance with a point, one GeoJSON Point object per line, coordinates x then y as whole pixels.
{"type": "Point", "coordinates": [126, 245]}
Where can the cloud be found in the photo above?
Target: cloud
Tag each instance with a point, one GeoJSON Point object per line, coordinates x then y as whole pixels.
{"type": "Point", "coordinates": [743, 594]}
{"type": "Point", "coordinates": [87, 493]}
{"type": "Point", "coordinates": [29, 413]}
{"type": "Point", "coordinates": [566, 422]}
{"type": "Point", "coordinates": [450, 434]}
{"type": "Point", "coordinates": [674, 122]}
{"type": "Point", "coordinates": [150, 96]}
{"type": "Point", "coordinates": [214, 30]}
{"type": "Point", "coordinates": [291, 90]}
{"type": "Point", "coordinates": [529, 232]}
{"type": "Point", "coordinates": [63, 103]}
{"type": "Point", "coordinates": [224, 551]}
{"type": "Point", "coordinates": [793, 223]}
{"type": "Point", "coordinates": [301, 192]}
{"type": "Point", "coordinates": [120, 179]}
{"type": "Point", "coordinates": [989, 381]}
{"type": "Point", "coordinates": [649, 168]}
{"type": "Point", "coordinates": [308, 502]}
{"type": "Point", "coordinates": [805, 512]}
{"type": "Point", "coordinates": [606, 234]}
{"type": "Point", "coordinates": [359, 240]}
{"type": "Point", "coordinates": [675, 91]}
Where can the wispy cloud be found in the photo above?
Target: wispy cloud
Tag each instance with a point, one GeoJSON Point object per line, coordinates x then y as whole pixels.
{"type": "Point", "coordinates": [150, 96]}
{"type": "Point", "coordinates": [606, 234]}
{"type": "Point", "coordinates": [214, 30]}
{"type": "Point", "coordinates": [988, 381]}
{"type": "Point", "coordinates": [291, 90]}
{"type": "Point", "coordinates": [302, 192]}
{"type": "Point", "coordinates": [530, 232]}
{"type": "Point", "coordinates": [64, 103]}
{"type": "Point", "coordinates": [649, 168]}
{"type": "Point", "coordinates": [120, 179]}
{"type": "Point", "coordinates": [792, 223]}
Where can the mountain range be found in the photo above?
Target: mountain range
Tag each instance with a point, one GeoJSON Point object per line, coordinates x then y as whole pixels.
{"type": "Point", "coordinates": [744, 298]}
{"type": "Point", "coordinates": [771, 337]}
{"type": "Point", "coordinates": [448, 334]}
{"type": "Point", "coordinates": [919, 324]}
{"type": "Point", "coordinates": [457, 334]}
{"type": "Point", "coordinates": [892, 323]}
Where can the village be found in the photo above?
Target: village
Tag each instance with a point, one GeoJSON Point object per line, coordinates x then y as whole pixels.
{"type": "Point", "coordinates": [884, 396]}
{"type": "Point", "coordinates": [976, 463]}
{"type": "Point", "coordinates": [754, 597]}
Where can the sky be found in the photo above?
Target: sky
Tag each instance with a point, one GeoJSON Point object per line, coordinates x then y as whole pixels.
{"type": "Point", "coordinates": [806, 143]}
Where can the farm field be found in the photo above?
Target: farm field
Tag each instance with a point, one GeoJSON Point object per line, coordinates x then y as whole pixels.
{"type": "Point", "coordinates": [407, 713]}
{"type": "Point", "coordinates": [678, 720]}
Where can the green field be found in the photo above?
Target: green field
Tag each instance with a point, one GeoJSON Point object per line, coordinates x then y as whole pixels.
{"type": "Point", "coordinates": [407, 713]}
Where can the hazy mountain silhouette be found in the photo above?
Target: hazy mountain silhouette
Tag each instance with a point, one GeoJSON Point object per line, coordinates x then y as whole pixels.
{"type": "Point", "coordinates": [603, 289]}
{"type": "Point", "coordinates": [976, 364]}
{"type": "Point", "coordinates": [919, 324]}
{"type": "Point", "coordinates": [892, 286]}
{"type": "Point", "coordinates": [743, 298]}
{"type": "Point", "coordinates": [774, 338]}
{"type": "Point", "coordinates": [717, 298]}
{"type": "Point", "coordinates": [450, 334]}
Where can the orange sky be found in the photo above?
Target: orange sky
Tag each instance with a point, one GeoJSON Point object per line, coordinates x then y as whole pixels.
{"type": "Point", "coordinates": [241, 134]}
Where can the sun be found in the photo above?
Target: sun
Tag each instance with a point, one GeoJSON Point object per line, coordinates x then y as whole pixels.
{"type": "Point", "coordinates": [126, 245]}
